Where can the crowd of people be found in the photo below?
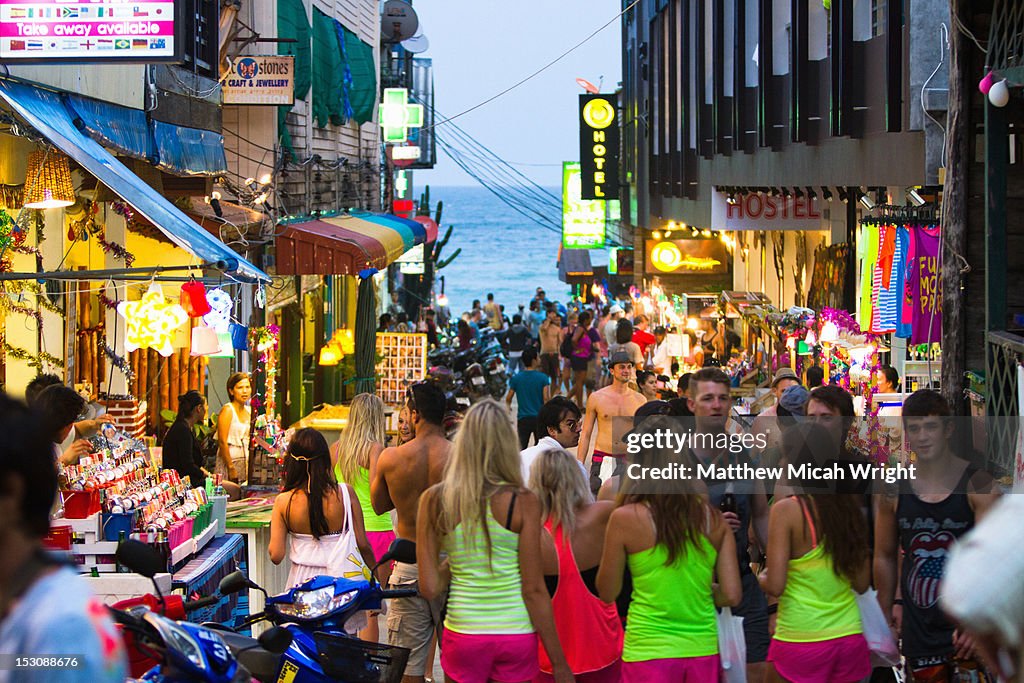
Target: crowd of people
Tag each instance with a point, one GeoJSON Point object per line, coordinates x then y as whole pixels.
{"type": "Point", "coordinates": [538, 557]}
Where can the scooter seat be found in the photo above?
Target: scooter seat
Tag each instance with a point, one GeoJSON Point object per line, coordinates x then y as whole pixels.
{"type": "Point", "coordinates": [262, 664]}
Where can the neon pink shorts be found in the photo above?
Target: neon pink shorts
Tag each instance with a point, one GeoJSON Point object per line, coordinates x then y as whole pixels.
{"type": "Point", "coordinates": [380, 541]}
{"type": "Point", "coordinates": [838, 660]}
{"type": "Point", "coordinates": [679, 670]}
{"type": "Point", "coordinates": [467, 658]}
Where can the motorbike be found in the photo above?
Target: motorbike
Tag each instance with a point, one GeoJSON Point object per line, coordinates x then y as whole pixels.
{"type": "Point", "coordinates": [166, 649]}
{"type": "Point", "coordinates": [314, 614]}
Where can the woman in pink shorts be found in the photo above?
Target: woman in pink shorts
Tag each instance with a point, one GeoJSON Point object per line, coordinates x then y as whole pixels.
{"type": "Point", "coordinates": [362, 441]}
{"type": "Point", "coordinates": [489, 525]}
{"type": "Point", "coordinates": [817, 552]}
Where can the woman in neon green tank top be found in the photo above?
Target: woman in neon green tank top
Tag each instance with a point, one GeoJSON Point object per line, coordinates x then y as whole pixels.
{"type": "Point", "coordinates": [489, 525]}
{"type": "Point", "coordinates": [363, 440]}
{"type": "Point", "coordinates": [817, 552]}
{"type": "Point", "coordinates": [675, 545]}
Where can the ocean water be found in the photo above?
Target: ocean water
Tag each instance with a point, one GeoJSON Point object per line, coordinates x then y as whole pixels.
{"type": "Point", "coordinates": [502, 251]}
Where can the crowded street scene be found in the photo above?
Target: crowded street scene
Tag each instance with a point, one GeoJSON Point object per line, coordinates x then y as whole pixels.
{"type": "Point", "coordinates": [398, 341]}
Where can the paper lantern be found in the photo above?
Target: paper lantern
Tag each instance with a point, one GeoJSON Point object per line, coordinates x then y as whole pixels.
{"type": "Point", "coordinates": [193, 299]}
{"type": "Point", "coordinates": [226, 350]}
{"type": "Point", "coordinates": [150, 322]}
{"type": "Point", "coordinates": [239, 336]}
{"type": "Point", "coordinates": [328, 355]}
{"type": "Point", "coordinates": [219, 316]}
{"type": "Point", "coordinates": [204, 341]}
{"type": "Point", "coordinates": [810, 339]}
{"type": "Point", "coordinates": [48, 181]}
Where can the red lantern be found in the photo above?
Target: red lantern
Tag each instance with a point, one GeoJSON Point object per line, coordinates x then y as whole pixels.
{"type": "Point", "coordinates": [193, 299]}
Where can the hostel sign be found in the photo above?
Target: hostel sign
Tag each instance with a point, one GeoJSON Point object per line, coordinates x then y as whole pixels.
{"type": "Point", "coordinates": [265, 79]}
{"type": "Point", "coordinates": [753, 211]}
{"type": "Point", "coordinates": [599, 146]}
{"type": "Point", "coordinates": [582, 220]}
{"type": "Point", "coordinates": [90, 31]}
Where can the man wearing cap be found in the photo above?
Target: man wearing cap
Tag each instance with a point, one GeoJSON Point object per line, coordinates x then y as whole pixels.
{"type": "Point", "coordinates": [615, 400]}
{"type": "Point", "coordinates": [766, 422]}
{"type": "Point", "coordinates": [614, 313]}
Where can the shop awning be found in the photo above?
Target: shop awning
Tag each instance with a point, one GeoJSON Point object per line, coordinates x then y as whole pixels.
{"type": "Point", "coordinates": [121, 129]}
{"type": "Point", "coordinates": [430, 225]}
{"type": "Point", "coordinates": [574, 263]}
{"type": "Point", "coordinates": [344, 245]}
{"type": "Point", "coordinates": [44, 111]}
{"type": "Point", "coordinates": [188, 151]}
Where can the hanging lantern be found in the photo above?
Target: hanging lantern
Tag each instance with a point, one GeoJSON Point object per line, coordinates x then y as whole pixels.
{"type": "Point", "coordinates": [239, 337]}
{"type": "Point", "coordinates": [193, 299]}
{"type": "Point", "coordinates": [328, 355]}
{"type": "Point", "coordinates": [810, 339]}
{"type": "Point", "coordinates": [150, 322]}
{"type": "Point", "coordinates": [226, 350]}
{"type": "Point", "coordinates": [204, 341]}
{"type": "Point", "coordinates": [48, 181]}
{"type": "Point", "coordinates": [220, 310]}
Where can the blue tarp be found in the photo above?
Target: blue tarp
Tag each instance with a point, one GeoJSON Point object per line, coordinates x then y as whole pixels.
{"type": "Point", "coordinates": [121, 129]}
{"type": "Point", "coordinates": [45, 111]}
{"type": "Point", "coordinates": [188, 151]}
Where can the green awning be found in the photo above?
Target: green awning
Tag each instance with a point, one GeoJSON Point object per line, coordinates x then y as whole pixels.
{"type": "Point", "coordinates": [327, 72]}
{"type": "Point", "coordinates": [362, 91]}
{"type": "Point", "coordinates": [292, 23]}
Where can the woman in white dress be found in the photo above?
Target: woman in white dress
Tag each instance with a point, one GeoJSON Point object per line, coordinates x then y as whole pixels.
{"type": "Point", "coordinates": [316, 521]}
{"type": "Point", "coordinates": [233, 430]}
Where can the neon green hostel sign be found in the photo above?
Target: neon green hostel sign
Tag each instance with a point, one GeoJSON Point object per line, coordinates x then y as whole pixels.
{"type": "Point", "coordinates": [583, 220]}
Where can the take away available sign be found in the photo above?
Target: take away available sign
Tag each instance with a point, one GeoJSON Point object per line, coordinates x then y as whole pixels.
{"type": "Point", "coordinates": [263, 79]}
{"type": "Point", "coordinates": [763, 212]}
{"type": "Point", "coordinates": [583, 220]}
{"type": "Point", "coordinates": [90, 31]}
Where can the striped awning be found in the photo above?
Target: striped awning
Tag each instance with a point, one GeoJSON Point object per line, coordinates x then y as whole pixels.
{"type": "Point", "coordinates": [345, 244]}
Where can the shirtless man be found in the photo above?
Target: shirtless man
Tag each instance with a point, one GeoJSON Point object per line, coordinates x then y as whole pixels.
{"type": "Point", "coordinates": [397, 478]}
{"type": "Point", "coordinates": [550, 339]}
{"type": "Point", "coordinates": [615, 400]}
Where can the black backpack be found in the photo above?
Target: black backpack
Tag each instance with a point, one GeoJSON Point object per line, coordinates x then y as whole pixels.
{"type": "Point", "coordinates": [567, 346]}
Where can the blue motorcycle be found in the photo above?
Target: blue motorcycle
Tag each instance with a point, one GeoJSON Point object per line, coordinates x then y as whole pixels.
{"type": "Point", "coordinates": [314, 615]}
{"type": "Point", "coordinates": [182, 651]}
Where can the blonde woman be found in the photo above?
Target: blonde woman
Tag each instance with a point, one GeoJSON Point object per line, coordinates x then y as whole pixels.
{"type": "Point", "coordinates": [589, 629]}
{"type": "Point", "coordinates": [233, 430]}
{"type": "Point", "coordinates": [489, 525]}
{"type": "Point", "coordinates": [362, 441]}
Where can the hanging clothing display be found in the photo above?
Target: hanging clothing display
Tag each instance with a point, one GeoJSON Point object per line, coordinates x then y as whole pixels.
{"type": "Point", "coordinates": [887, 301]}
{"type": "Point", "coordinates": [925, 286]}
{"type": "Point", "coordinates": [867, 251]}
{"type": "Point", "coordinates": [900, 265]}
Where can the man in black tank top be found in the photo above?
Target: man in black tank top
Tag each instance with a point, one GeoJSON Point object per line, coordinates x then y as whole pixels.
{"type": "Point", "coordinates": [922, 522]}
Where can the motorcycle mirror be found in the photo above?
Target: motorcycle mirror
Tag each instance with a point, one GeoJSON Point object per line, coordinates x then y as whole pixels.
{"type": "Point", "coordinates": [235, 582]}
{"type": "Point", "coordinates": [401, 550]}
{"type": "Point", "coordinates": [141, 558]}
{"type": "Point", "coordinates": [275, 639]}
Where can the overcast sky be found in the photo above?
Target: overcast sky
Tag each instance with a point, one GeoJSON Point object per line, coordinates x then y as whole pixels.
{"type": "Point", "coordinates": [481, 48]}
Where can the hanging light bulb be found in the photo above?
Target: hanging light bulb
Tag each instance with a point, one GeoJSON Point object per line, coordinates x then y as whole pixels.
{"type": "Point", "coordinates": [656, 234]}
{"type": "Point", "coordinates": [265, 179]}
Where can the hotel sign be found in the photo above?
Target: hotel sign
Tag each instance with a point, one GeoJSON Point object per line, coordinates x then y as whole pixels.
{"type": "Point", "coordinates": [90, 31]}
{"type": "Point", "coordinates": [583, 220]}
{"type": "Point", "coordinates": [599, 146]}
{"type": "Point", "coordinates": [265, 79]}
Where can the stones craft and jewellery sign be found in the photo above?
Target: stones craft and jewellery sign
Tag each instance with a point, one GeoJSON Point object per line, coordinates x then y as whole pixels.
{"type": "Point", "coordinates": [89, 31]}
{"type": "Point", "coordinates": [264, 79]}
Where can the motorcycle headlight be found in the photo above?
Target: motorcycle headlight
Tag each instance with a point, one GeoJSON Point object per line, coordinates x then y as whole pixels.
{"type": "Point", "coordinates": [177, 638]}
{"type": "Point", "coordinates": [315, 604]}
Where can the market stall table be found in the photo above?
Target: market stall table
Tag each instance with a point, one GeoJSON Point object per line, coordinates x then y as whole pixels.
{"type": "Point", "coordinates": [254, 525]}
{"type": "Point", "coordinates": [202, 574]}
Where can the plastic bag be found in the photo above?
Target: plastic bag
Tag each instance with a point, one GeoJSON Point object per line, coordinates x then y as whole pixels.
{"type": "Point", "coordinates": [732, 647]}
{"type": "Point", "coordinates": [881, 642]}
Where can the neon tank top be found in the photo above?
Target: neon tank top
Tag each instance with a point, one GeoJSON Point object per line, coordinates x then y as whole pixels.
{"type": "Point", "coordinates": [673, 610]}
{"type": "Point", "coordinates": [371, 520]}
{"type": "Point", "coordinates": [485, 597]}
{"type": "Point", "coordinates": [590, 630]}
{"type": "Point", "coordinates": [816, 605]}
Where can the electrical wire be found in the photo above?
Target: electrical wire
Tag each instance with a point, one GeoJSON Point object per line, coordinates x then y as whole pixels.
{"type": "Point", "coordinates": [540, 70]}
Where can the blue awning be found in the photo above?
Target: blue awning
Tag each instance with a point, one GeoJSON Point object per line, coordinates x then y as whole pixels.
{"type": "Point", "coordinates": [121, 129]}
{"type": "Point", "coordinates": [44, 111]}
{"type": "Point", "coordinates": [188, 151]}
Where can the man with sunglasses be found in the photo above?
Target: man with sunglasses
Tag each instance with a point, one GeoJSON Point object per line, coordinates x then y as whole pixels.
{"type": "Point", "coordinates": [559, 422]}
{"type": "Point", "coordinates": [398, 476]}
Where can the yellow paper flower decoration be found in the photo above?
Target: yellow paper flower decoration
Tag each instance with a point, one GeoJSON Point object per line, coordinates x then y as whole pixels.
{"type": "Point", "coordinates": [150, 322]}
